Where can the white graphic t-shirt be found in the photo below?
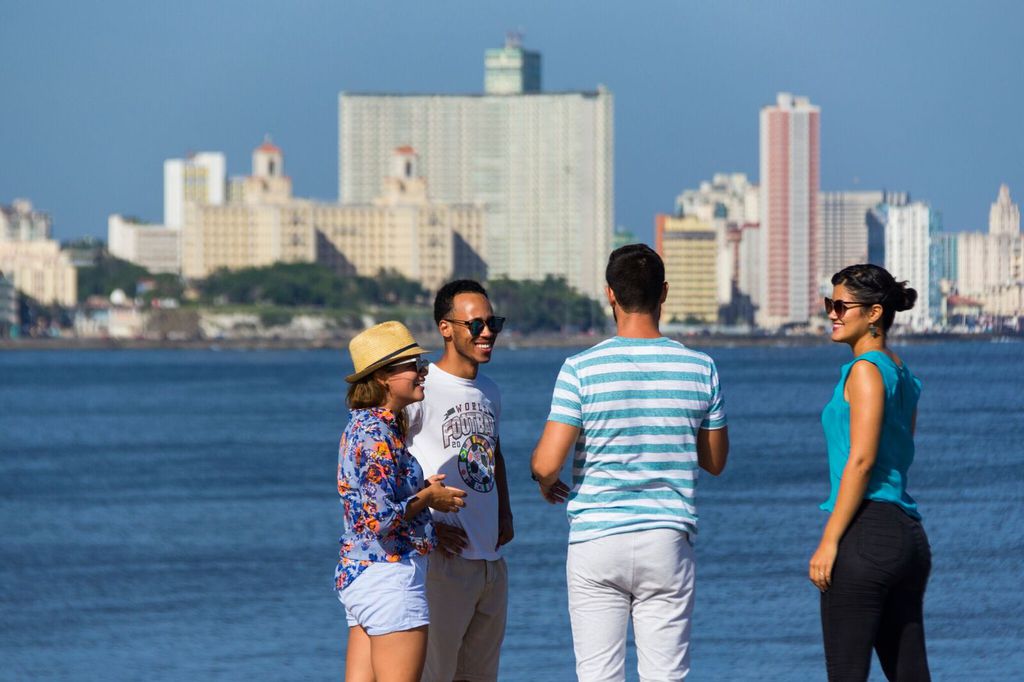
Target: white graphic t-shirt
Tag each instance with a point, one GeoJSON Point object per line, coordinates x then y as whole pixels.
{"type": "Point", "coordinates": [454, 431]}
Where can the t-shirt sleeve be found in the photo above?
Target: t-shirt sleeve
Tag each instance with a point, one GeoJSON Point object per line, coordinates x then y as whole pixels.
{"type": "Point", "coordinates": [566, 403]}
{"type": "Point", "coordinates": [490, 390]}
{"type": "Point", "coordinates": [413, 418]}
{"type": "Point", "coordinates": [715, 417]}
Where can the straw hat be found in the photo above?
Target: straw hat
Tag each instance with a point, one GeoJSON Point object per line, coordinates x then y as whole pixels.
{"type": "Point", "coordinates": [380, 345]}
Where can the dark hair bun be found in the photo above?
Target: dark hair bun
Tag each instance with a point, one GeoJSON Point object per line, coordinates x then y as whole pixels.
{"type": "Point", "coordinates": [902, 297]}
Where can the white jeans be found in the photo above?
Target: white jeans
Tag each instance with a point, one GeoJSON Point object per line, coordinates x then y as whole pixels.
{"type": "Point", "coordinates": [648, 575]}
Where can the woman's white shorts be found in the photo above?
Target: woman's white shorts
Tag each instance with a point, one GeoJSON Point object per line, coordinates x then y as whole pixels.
{"type": "Point", "coordinates": [388, 597]}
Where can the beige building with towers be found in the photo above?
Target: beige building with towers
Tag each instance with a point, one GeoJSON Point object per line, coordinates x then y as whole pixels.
{"type": "Point", "coordinates": [32, 262]}
{"type": "Point", "coordinates": [41, 270]}
{"type": "Point", "coordinates": [259, 225]}
{"type": "Point", "coordinates": [401, 231]}
{"type": "Point", "coordinates": [688, 246]}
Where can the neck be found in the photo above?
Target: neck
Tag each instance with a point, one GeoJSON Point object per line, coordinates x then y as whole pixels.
{"type": "Point", "coordinates": [637, 325]}
{"type": "Point", "coordinates": [868, 343]}
{"type": "Point", "coordinates": [395, 405]}
{"type": "Point", "coordinates": [456, 364]}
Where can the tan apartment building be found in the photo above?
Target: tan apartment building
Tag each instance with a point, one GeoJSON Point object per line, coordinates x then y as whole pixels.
{"type": "Point", "coordinates": [401, 231]}
{"type": "Point", "coordinates": [689, 248]}
{"type": "Point", "coordinates": [41, 270]}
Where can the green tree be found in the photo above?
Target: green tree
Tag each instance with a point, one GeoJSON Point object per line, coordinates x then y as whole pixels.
{"type": "Point", "coordinates": [107, 274]}
{"type": "Point", "coordinates": [308, 284]}
{"type": "Point", "coordinates": [545, 306]}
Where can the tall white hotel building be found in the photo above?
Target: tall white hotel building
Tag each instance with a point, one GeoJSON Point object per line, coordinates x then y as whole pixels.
{"type": "Point", "coordinates": [909, 231]}
{"type": "Point", "coordinates": [540, 162]}
{"type": "Point", "coordinates": [201, 178]}
{"type": "Point", "coordinates": [789, 212]}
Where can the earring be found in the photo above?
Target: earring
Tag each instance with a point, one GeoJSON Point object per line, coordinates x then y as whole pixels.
{"type": "Point", "coordinates": [873, 330]}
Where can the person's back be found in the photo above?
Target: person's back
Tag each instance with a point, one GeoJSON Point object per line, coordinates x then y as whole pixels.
{"type": "Point", "coordinates": [640, 412]}
{"type": "Point", "coordinates": [639, 404]}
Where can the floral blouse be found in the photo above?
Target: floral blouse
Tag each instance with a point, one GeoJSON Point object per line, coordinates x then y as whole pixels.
{"type": "Point", "coordinates": [376, 478]}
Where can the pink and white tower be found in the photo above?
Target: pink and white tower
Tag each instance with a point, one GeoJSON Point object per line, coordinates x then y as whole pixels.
{"type": "Point", "coordinates": [790, 233]}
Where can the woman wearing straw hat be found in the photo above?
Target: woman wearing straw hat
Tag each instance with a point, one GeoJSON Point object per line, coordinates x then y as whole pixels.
{"type": "Point", "coordinates": [381, 574]}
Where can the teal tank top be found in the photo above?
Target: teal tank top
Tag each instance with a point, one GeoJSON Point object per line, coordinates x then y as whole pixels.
{"type": "Point", "coordinates": [888, 481]}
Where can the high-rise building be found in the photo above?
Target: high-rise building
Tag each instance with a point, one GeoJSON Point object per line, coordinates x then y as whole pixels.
{"type": "Point", "coordinates": [790, 232]}
{"type": "Point", "coordinates": [945, 247]}
{"type": "Point", "coordinates": [1004, 216]}
{"type": "Point", "coordinates": [845, 228]}
{"type": "Point", "coordinates": [154, 247]}
{"type": "Point", "coordinates": [541, 163]}
{"type": "Point", "coordinates": [986, 260]}
{"type": "Point", "coordinates": [9, 316]}
{"type": "Point", "coordinates": [727, 203]}
{"type": "Point", "coordinates": [749, 264]}
{"type": "Point", "coordinates": [511, 70]}
{"type": "Point", "coordinates": [200, 178]}
{"type": "Point", "coordinates": [909, 256]}
{"type": "Point", "coordinates": [623, 236]}
{"type": "Point", "coordinates": [19, 222]}
{"type": "Point", "coordinates": [688, 246]}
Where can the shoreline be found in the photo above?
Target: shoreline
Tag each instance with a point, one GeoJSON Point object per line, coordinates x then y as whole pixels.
{"type": "Point", "coordinates": [510, 342]}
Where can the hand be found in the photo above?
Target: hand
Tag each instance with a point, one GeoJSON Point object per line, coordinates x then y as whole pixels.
{"type": "Point", "coordinates": [506, 530]}
{"type": "Point", "coordinates": [821, 565]}
{"type": "Point", "coordinates": [555, 493]}
{"type": "Point", "coordinates": [450, 539]}
{"type": "Point", "coordinates": [441, 497]}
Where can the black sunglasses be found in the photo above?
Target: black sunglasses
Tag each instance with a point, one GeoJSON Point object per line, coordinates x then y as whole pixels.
{"type": "Point", "coordinates": [476, 325]}
{"type": "Point", "coordinates": [840, 306]}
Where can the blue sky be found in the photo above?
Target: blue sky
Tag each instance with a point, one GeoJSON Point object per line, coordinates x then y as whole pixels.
{"type": "Point", "coordinates": [918, 96]}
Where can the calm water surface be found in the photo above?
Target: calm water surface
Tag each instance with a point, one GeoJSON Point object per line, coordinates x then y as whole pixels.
{"type": "Point", "coordinates": [172, 515]}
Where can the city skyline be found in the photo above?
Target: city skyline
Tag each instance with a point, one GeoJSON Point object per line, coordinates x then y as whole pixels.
{"type": "Point", "coordinates": [910, 101]}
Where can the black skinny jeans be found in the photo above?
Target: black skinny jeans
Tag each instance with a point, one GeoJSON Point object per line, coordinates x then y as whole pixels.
{"type": "Point", "coordinates": [877, 596]}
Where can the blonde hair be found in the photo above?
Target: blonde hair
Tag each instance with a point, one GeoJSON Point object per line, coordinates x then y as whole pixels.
{"type": "Point", "coordinates": [370, 391]}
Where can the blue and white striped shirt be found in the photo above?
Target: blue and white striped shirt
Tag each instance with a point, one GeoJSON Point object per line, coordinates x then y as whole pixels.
{"type": "Point", "coordinates": [638, 404]}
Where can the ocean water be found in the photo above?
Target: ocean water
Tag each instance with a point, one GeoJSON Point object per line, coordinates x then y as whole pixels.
{"type": "Point", "coordinates": [172, 515]}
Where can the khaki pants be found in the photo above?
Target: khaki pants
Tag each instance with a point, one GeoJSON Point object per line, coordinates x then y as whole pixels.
{"type": "Point", "coordinates": [468, 603]}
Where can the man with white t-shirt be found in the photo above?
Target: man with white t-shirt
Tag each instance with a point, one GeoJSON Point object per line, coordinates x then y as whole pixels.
{"type": "Point", "coordinates": [454, 432]}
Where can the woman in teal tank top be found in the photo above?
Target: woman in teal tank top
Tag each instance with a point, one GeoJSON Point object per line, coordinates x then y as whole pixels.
{"type": "Point", "coordinates": [873, 561]}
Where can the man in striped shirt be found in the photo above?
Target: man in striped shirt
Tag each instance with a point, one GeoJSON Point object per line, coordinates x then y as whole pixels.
{"type": "Point", "coordinates": [641, 413]}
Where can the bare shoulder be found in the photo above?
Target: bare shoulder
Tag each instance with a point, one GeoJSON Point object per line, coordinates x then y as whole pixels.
{"type": "Point", "coordinates": [864, 380]}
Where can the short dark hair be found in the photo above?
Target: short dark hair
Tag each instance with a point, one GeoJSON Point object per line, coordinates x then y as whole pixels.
{"type": "Point", "coordinates": [872, 284]}
{"type": "Point", "coordinates": [446, 296]}
{"type": "Point", "coordinates": [636, 275]}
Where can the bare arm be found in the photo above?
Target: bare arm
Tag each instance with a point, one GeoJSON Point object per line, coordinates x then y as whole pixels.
{"type": "Point", "coordinates": [866, 393]}
{"type": "Point", "coordinates": [549, 456]}
{"type": "Point", "coordinates": [713, 449]}
{"type": "Point", "coordinates": [436, 496]}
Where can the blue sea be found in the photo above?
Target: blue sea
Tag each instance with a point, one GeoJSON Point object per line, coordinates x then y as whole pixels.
{"type": "Point", "coordinates": [172, 515]}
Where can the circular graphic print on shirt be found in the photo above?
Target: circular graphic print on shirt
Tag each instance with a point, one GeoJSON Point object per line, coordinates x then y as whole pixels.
{"type": "Point", "coordinates": [476, 464]}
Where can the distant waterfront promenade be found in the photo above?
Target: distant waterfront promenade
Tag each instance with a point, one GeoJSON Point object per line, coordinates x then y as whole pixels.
{"type": "Point", "coordinates": [512, 340]}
